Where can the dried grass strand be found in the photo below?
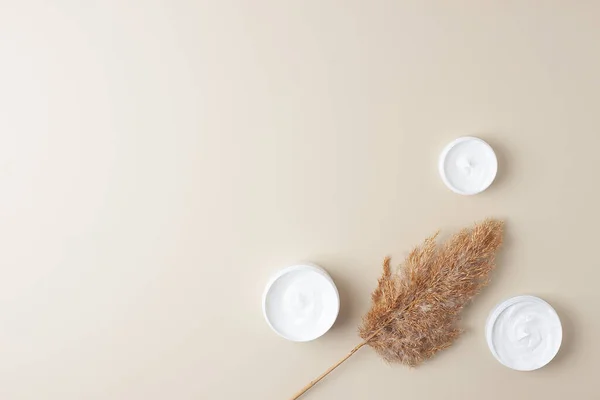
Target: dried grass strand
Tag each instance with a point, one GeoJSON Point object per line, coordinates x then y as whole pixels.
{"type": "Point", "coordinates": [415, 310]}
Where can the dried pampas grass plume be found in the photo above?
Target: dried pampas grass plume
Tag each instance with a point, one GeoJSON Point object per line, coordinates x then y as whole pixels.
{"type": "Point", "coordinates": [415, 310]}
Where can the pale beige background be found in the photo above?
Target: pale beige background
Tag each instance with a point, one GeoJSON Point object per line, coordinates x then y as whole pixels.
{"type": "Point", "coordinates": [159, 159]}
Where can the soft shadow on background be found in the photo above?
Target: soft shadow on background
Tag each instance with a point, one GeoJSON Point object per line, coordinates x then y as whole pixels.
{"type": "Point", "coordinates": [569, 344]}
{"type": "Point", "coordinates": [505, 161]}
{"type": "Point", "coordinates": [349, 301]}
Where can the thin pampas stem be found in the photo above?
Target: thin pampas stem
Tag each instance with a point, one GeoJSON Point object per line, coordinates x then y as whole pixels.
{"type": "Point", "coordinates": [415, 310]}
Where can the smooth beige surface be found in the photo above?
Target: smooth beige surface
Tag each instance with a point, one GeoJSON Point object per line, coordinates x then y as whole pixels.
{"type": "Point", "coordinates": [159, 160]}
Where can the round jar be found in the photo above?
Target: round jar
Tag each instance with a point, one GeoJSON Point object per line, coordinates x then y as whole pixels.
{"type": "Point", "coordinates": [468, 165]}
{"type": "Point", "coordinates": [301, 302]}
{"type": "Point", "coordinates": [523, 333]}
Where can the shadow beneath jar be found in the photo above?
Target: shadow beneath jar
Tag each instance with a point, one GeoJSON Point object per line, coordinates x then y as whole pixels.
{"type": "Point", "coordinates": [347, 301]}
{"type": "Point", "coordinates": [506, 161]}
{"type": "Point", "coordinates": [569, 334]}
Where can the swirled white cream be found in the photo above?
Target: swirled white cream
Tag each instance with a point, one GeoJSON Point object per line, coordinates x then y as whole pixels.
{"type": "Point", "coordinates": [468, 165]}
{"type": "Point", "coordinates": [524, 333]}
{"type": "Point", "coordinates": [301, 302]}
